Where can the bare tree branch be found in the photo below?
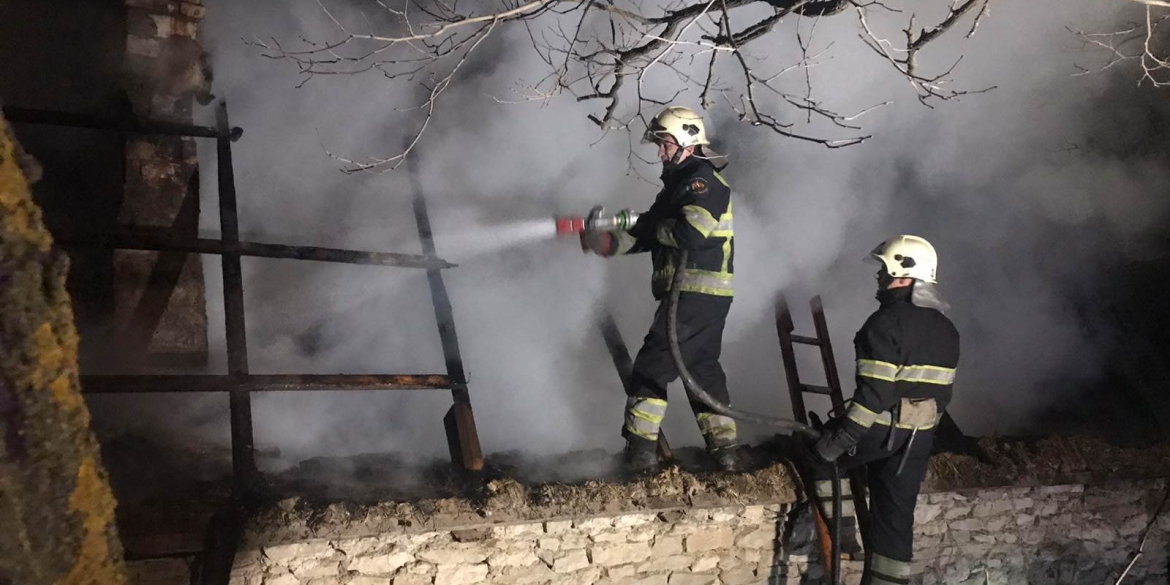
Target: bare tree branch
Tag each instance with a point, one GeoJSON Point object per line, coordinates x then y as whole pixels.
{"type": "Point", "coordinates": [606, 51]}
{"type": "Point", "coordinates": [905, 60]}
{"type": "Point", "coordinates": [1142, 42]}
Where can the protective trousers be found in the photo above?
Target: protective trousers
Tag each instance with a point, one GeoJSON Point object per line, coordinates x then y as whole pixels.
{"type": "Point", "coordinates": [892, 498]}
{"type": "Point", "coordinates": [701, 318]}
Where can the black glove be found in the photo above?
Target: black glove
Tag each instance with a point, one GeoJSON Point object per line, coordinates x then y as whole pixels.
{"type": "Point", "coordinates": [834, 442]}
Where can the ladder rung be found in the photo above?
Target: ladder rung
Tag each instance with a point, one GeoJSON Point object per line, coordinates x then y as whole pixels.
{"type": "Point", "coordinates": [814, 389]}
{"type": "Point", "coordinates": [805, 340]}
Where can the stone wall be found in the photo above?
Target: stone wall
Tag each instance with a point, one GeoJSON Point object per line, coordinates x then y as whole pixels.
{"type": "Point", "coordinates": [694, 547]}
{"type": "Point", "coordinates": [1058, 535]}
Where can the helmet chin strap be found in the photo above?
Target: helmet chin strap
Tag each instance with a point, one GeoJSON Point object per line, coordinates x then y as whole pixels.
{"type": "Point", "coordinates": [678, 154]}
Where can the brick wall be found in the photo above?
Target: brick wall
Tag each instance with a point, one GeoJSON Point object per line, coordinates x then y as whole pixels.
{"type": "Point", "coordinates": [158, 298]}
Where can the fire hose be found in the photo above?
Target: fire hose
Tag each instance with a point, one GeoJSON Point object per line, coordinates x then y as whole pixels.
{"type": "Point", "coordinates": [696, 392]}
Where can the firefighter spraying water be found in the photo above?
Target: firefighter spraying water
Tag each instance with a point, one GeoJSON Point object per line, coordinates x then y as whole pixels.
{"type": "Point", "coordinates": [689, 233]}
{"type": "Point", "coordinates": [691, 214]}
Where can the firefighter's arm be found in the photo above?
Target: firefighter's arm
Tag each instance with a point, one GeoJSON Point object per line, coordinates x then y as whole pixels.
{"type": "Point", "coordinates": [877, 370]}
{"type": "Point", "coordinates": [694, 217]}
{"type": "Point", "coordinates": [877, 359]}
{"type": "Point", "coordinates": [641, 237]}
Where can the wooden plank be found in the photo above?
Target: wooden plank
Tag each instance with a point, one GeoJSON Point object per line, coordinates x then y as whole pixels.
{"type": "Point", "coordinates": [243, 458]}
{"type": "Point", "coordinates": [263, 383]}
{"type": "Point", "coordinates": [471, 455]}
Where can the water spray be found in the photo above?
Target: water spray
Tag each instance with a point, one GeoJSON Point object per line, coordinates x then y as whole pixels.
{"type": "Point", "coordinates": [596, 221]}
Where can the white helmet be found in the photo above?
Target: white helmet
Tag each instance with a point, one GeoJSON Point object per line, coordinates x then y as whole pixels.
{"type": "Point", "coordinates": [908, 256]}
{"type": "Point", "coordinates": [679, 122]}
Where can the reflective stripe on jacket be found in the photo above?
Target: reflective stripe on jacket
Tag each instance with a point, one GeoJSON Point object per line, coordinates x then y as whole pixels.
{"type": "Point", "coordinates": [692, 213]}
{"type": "Point", "coordinates": [903, 351]}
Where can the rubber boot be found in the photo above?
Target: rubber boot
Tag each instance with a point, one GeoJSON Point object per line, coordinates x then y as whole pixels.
{"type": "Point", "coordinates": [851, 539]}
{"type": "Point", "coordinates": [641, 456]}
{"type": "Point", "coordinates": [727, 458]}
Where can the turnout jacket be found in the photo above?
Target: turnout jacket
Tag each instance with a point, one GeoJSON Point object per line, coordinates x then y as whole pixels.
{"type": "Point", "coordinates": [903, 352]}
{"type": "Point", "coordinates": [693, 213]}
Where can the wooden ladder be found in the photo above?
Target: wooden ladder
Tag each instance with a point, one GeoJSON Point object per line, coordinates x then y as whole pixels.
{"type": "Point", "coordinates": [832, 389]}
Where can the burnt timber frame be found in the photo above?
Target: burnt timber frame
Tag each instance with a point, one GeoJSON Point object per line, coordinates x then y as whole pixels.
{"type": "Point", "coordinates": [239, 383]}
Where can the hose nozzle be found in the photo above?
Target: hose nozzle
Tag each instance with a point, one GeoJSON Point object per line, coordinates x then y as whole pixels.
{"type": "Point", "coordinates": [569, 226]}
{"type": "Point", "coordinates": [596, 221]}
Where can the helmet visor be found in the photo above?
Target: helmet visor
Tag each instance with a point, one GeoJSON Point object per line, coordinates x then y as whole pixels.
{"type": "Point", "coordinates": [654, 133]}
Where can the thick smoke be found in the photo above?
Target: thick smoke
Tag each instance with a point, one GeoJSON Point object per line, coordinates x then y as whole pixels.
{"type": "Point", "coordinates": [1027, 191]}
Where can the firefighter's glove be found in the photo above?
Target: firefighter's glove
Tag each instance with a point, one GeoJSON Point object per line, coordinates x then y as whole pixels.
{"type": "Point", "coordinates": [600, 243]}
{"type": "Point", "coordinates": [834, 442]}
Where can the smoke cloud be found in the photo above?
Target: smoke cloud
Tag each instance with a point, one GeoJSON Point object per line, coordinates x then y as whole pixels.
{"type": "Point", "coordinates": [1030, 192]}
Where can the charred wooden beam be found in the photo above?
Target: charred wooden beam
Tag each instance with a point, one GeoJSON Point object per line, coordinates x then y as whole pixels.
{"type": "Point", "coordinates": [163, 243]}
{"type": "Point", "coordinates": [127, 124]}
{"type": "Point", "coordinates": [463, 442]}
{"type": "Point", "coordinates": [132, 384]}
{"type": "Point", "coordinates": [243, 458]}
{"type": "Point", "coordinates": [224, 533]}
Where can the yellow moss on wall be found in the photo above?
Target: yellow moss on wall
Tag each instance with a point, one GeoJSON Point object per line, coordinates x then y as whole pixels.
{"type": "Point", "coordinates": [94, 504]}
{"type": "Point", "coordinates": [56, 508]}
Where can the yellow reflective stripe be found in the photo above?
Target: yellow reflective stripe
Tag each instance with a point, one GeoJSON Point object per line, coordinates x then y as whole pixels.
{"type": "Point", "coordinates": [644, 416]}
{"type": "Point", "coordinates": [665, 233]}
{"type": "Point", "coordinates": [878, 370]}
{"type": "Point", "coordinates": [625, 241]}
{"type": "Point", "coordinates": [654, 418]}
{"type": "Point", "coordinates": [711, 423]}
{"type": "Point", "coordinates": [725, 228]}
{"type": "Point", "coordinates": [708, 282]}
{"type": "Point", "coordinates": [654, 406]}
{"type": "Point", "coordinates": [861, 415]}
{"type": "Point", "coordinates": [700, 281]}
{"type": "Point", "coordinates": [653, 436]}
{"type": "Point", "coordinates": [700, 219]}
{"type": "Point", "coordinates": [637, 423]}
{"type": "Point", "coordinates": [927, 375]}
{"type": "Point", "coordinates": [721, 179]}
{"type": "Point", "coordinates": [886, 570]}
